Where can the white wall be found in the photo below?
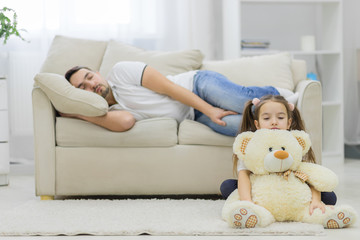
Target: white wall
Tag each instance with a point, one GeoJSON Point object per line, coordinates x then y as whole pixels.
{"type": "Point", "coordinates": [268, 20]}
{"type": "Point", "coordinates": [275, 13]}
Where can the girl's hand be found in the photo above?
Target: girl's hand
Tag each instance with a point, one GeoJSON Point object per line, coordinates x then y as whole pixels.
{"type": "Point", "coordinates": [316, 204]}
{"type": "Point", "coordinates": [216, 114]}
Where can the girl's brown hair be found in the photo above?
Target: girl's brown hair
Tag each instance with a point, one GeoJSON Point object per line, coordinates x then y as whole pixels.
{"type": "Point", "coordinates": [252, 112]}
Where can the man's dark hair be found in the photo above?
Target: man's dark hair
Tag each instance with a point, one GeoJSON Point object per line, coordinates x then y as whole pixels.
{"type": "Point", "coordinates": [73, 70]}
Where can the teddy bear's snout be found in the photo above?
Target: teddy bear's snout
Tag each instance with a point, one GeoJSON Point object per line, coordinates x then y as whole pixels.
{"type": "Point", "coordinates": [281, 154]}
{"type": "Point", "coordinates": [278, 161]}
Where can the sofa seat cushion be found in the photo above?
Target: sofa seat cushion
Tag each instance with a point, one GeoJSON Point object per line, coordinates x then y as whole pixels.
{"type": "Point", "coordinates": [195, 133]}
{"type": "Point", "coordinates": [155, 132]}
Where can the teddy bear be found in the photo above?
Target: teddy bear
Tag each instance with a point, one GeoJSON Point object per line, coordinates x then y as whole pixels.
{"type": "Point", "coordinates": [280, 183]}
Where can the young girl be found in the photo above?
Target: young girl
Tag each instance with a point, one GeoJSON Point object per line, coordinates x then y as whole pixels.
{"type": "Point", "coordinates": [271, 112]}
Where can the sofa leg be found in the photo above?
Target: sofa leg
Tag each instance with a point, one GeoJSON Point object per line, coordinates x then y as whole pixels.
{"type": "Point", "coordinates": [46, 197]}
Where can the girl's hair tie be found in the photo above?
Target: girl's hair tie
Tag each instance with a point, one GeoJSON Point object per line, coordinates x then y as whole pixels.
{"type": "Point", "coordinates": [291, 106]}
{"type": "Point", "coordinates": [255, 101]}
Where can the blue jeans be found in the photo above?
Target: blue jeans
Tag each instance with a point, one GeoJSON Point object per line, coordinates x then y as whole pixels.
{"type": "Point", "coordinates": [229, 185]}
{"type": "Point", "coordinates": [217, 90]}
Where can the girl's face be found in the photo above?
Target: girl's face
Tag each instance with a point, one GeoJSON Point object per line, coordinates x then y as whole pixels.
{"type": "Point", "coordinates": [273, 115]}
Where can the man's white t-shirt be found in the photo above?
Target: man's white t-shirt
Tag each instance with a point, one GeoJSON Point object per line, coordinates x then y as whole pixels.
{"type": "Point", "coordinates": [125, 80]}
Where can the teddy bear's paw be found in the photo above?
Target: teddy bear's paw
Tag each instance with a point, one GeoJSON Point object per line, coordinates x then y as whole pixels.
{"type": "Point", "coordinates": [340, 219]}
{"type": "Point", "coordinates": [244, 218]}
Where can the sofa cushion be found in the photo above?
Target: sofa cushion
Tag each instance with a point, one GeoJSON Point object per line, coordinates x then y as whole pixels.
{"type": "Point", "coordinates": [154, 132]}
{"type": "Point", "coordinates": [298, 68]}
{"type": "Point", "coordinates": [168, 63]}
{"type": "Point", "coordinates": [274, 70]}
{"type": "Point", "coordinates": [195, 133]}
{"type": "Point", "coordinates": [66, 52]}
{"type": "Point", "coordinates": [68, 99]}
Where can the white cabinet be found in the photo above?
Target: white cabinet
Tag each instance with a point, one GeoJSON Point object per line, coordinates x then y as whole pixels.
{"type": "Point", "coordinates": [284, 22]}
{"type": "Point", "coordinates": [4, 134]}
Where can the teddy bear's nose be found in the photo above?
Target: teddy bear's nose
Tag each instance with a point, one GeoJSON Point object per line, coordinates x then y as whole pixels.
{"type": "Point", "coordinates": [281, 154]}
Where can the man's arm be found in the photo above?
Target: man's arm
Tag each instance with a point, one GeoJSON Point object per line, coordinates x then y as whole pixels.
{"type": "Point", "coordinates": [117, 121]}
{"type": "Point", "coordinates": [154, 80]}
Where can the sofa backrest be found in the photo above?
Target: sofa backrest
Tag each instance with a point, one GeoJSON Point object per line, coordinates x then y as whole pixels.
{"type": "Point", "coordinates": [299, 70]}
{"type": "Point", "coordinates": [66, 52]}
{"type": "Point", "coordinates": [168, 63]}
{"type": "Point", "coordinates": [278, 70]}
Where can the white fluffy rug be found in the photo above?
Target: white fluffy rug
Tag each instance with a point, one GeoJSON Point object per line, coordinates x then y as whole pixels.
{"type": "Point", "coordinates": [132, 217]}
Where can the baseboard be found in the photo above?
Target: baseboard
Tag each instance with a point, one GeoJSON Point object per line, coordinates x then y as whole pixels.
{"type": "Point", "coordinates": [4, 180]}
{"type": "Point", "coordinates": [21, 166]}
{"type": "Point", "coordinates": [352, 151]}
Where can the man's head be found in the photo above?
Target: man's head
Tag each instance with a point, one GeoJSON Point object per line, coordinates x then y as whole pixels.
{"type": "Point", "coordinates": [86, 79]}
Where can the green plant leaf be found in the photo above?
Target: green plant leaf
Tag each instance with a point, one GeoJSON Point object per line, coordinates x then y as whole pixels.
{"type": "Point", "coordinates": [9, 25]}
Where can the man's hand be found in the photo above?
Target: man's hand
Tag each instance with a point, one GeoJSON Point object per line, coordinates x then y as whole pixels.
{"type": "Point", "coordinates": [216, 114]}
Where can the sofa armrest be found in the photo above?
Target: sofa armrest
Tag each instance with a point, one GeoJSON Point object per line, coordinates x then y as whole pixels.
{"type": "Point", "coordinates": [310, 107]}
{"type": "Point", "coordinates": [44, 141]}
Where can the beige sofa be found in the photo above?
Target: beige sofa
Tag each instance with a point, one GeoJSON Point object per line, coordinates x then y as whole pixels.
{"type": "Point", "coordinates": [157, 156]}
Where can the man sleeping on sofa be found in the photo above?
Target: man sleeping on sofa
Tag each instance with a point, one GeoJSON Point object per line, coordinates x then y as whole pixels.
{"type": "Point", "coordinates": [139, 91]}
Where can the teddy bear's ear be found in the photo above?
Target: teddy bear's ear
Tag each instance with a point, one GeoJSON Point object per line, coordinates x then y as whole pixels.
{"type": "Point", "coordinates": [303, 139]}
{"type": "Point", "coordinates": [241, 142]}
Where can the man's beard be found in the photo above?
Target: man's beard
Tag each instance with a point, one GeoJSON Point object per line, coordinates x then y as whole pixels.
{"type": "Point", "coordinates": [104, 92]}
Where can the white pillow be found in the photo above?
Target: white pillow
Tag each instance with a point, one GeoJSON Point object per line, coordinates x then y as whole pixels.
{"type": "Point", "coordinates": [168, 63]}
{"type": "Point", "coordinates": [68, 99]}
{"type": "Point", "coordinates": [66, 52]}
{"type": "Point", "coordinates": [266, 70]}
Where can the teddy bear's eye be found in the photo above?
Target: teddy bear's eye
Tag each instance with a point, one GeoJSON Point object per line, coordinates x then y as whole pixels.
{"type": "Point", "coordinates": [283, 148]}
{"type": "Point", "coordinates": [270, 149]}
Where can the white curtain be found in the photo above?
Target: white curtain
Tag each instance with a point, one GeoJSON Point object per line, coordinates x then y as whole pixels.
{"type": "Point", "coordinates": [166, 25]}
{"type": "Point", "coordinates": [150, 24]}
{"type": "Point", "coordinates": [351, 72]}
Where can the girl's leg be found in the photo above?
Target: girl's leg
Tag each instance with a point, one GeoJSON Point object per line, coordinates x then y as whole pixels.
{"type": "Point", "coordinates": [329, 198]}
{"type": "Point", "coordinates": [227, 187]}
{"type": "Point", "coordinates": [220, 92]}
